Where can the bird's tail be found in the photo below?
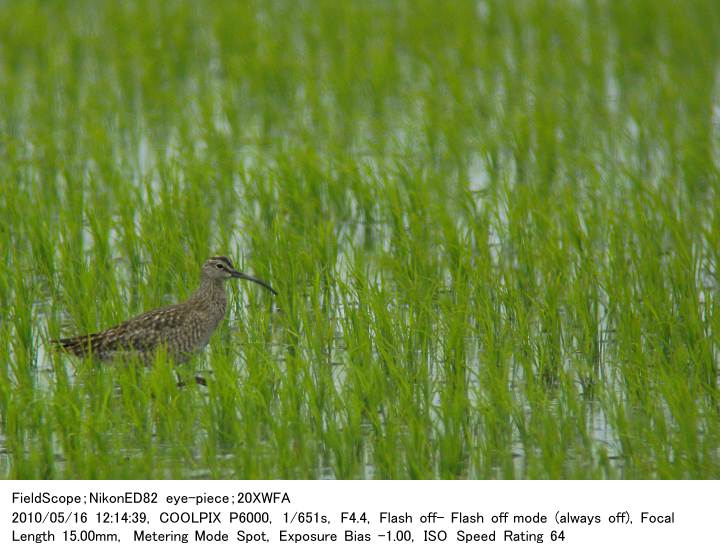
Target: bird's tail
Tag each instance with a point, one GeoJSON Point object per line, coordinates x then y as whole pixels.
{"type": "Point", "coordinates": [78, 345]}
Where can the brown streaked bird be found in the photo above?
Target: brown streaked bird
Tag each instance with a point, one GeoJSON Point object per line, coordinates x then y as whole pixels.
{"type": "Point", "coordinates": [181, 329]}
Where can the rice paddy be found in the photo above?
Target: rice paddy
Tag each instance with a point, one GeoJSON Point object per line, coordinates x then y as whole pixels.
{"type": "Point", "coordinates": [494, 228]}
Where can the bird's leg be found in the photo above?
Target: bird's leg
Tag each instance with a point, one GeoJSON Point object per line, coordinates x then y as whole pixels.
{"type": "Point", "coordinates": [199, 380]}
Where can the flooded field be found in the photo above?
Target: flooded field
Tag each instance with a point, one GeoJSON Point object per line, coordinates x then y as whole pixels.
{"type": "Point", "coordinates": [494, 229]}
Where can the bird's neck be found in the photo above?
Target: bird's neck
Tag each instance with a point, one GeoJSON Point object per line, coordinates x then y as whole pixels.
{"type": "Point", "coordinates": [211, 292]}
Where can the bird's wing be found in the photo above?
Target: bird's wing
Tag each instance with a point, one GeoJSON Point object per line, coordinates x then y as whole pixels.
{"type": "Point", "coordinates": [146, 330]}
{"type": "Point", "coordinates": [142, 332]}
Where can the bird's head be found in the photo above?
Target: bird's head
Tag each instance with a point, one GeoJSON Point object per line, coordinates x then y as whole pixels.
{"type": "Point", "coordinates": [220, 268]}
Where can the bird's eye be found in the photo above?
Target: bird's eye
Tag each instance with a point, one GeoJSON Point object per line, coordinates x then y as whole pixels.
{"type": "Point", "coordinates": [219, 266]}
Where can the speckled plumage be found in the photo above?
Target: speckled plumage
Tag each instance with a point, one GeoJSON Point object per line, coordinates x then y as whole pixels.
{"type": "Point", "coordinates": [181, 329]}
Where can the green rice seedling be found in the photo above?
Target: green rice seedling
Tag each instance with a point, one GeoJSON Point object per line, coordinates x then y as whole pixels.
{"type": "Point", "coordinates": [492, 227]}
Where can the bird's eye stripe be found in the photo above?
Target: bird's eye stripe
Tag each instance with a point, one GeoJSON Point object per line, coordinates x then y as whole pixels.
{"type": "Point", "coordinates": [223, 260]}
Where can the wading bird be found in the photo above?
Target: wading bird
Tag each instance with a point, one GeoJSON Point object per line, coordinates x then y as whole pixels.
{"type": "Point", "coordinates": [181, 329]}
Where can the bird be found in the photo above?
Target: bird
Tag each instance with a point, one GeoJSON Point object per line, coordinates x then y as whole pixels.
{"type": "Point", "coordinates": [182, 329]}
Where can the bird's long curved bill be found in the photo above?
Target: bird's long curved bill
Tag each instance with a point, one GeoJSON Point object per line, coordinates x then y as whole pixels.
{"type": "Point", "coordinates": [243, 276]}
